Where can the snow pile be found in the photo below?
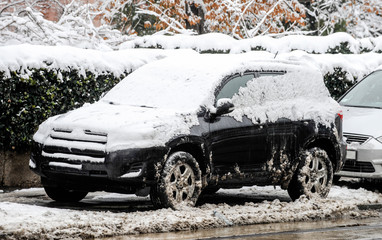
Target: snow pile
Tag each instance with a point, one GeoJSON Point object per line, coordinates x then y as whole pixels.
{"type": "Point", "coordinates": [310, 44]}
{"type": "Point", "coordinates": [25, 57]}
{"type": "Point", "coordinates": [204, 42]}
{"type": "Point", "coordinates": [36, 222]}
{"type": "Point", "coordinates": [356, 65]}
{"type": "Point", "coordinates": [377, 42]}
{"type": "Point", "coordinates": [223, 43]}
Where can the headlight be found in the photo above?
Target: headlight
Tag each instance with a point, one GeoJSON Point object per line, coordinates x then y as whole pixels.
{"type": "Point", "coordinates": [379, 139]}
{"type": "Point", "coordinates": [44, 129]}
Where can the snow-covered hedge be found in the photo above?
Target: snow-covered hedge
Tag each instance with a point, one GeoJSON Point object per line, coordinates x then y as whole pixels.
{"type": "Point", "coordinates": [341, 71]}
{"type": "Point", "coordinates": [40, 81]}
{"type": "Point", "coordinates": [217, 42]}
{"type": "Point", "coordinates": [29, 100]}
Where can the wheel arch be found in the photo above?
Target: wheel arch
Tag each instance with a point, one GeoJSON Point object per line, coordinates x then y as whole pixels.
{"type": "Point", "coordinates": [194, 146]}
{"type": "Point", "coordinates": [329, 147]}
{"type": "Point", "coordinates": [195, 150]}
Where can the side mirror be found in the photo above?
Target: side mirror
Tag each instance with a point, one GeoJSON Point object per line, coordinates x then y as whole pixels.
{"type": "Point", "coordinates": [224, 106]}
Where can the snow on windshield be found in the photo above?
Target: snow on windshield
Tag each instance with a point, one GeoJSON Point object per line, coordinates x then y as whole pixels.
{"type": "Point", "coordinates": [182, 83]}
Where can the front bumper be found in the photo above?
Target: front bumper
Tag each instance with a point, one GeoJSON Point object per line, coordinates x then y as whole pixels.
{"type": "Point", "coordinates": [122, 171]}
{"type": "Point", "coordinates": [364, 161]}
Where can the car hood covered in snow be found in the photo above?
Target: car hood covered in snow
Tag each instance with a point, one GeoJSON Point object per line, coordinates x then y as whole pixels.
{"type": "Point", "coordinates": [364, 121]}
{"type": "Point", "coordinates": [125, 126]}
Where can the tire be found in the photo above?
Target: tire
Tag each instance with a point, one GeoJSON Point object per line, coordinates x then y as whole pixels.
{"type": "Point", "coordinates": [313, 177]}
{"type": "Point", "coordinates": [179, 183]}
{"type": "Point", "coordinates": [63, 195]}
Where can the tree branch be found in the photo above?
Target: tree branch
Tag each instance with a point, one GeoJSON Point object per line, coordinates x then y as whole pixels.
{"type": "Point", "coordinates": [10, 5]}
{"type": "Point", "coordinates": [257, 28]}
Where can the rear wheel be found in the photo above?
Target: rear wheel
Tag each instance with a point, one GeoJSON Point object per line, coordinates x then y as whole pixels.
{"type": "Point", "coordinates": [314, 175]}
{"type": "Point", "coordinates": [63, 195]}
{"type": "Point", "coordinates": [179, 184]}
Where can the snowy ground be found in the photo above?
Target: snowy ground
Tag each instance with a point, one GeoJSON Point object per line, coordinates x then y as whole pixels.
{"type": "Point", "coordinates": [29, 214]}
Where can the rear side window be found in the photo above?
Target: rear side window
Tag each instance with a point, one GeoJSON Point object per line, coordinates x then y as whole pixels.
{"type": "Point", "coordinates": [266, 88]}
{"type": "Point", "coordinates": [233, 86]}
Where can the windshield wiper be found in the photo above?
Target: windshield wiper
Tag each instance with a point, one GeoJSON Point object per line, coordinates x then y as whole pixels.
{"type": "Point", "coordinates": [117, 103]}
{"type": "Point", "coordinates": [361, 106]}
{"type": "Point", "coordinates": [142, 106]}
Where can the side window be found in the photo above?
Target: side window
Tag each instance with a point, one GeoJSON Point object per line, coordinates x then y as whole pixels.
{"type": "Point", "coordinates": [233, 86]}
{"type": "Point", "coordinates": [266, 87]}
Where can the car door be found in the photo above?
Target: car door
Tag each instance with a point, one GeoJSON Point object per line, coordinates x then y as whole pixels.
{"type": "Point", "coordinates": [237, 145]}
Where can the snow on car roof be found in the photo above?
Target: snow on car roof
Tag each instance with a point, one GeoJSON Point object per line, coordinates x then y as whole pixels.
{"type": "Point", "coordinates": [188, 81]}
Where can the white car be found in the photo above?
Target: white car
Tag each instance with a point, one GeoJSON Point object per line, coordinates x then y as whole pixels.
{"type": "Point", "coordinates": [362, 109]}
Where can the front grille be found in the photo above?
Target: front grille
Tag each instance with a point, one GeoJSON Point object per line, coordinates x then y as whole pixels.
{"type": "Point", "coordinates": [76, 145]}
{"type": "Point", "coordinates": [79, 135]}
{"type": "Point", "coordinates": [356, 166]}
{"type": "Point", "coordinates": [355, 138]}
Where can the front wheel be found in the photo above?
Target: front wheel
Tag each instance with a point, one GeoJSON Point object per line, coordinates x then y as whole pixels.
{"type": "Point", "coordinates": [314, 175]}
{"type": "Point", "coordinates": [63, 195]}
{"type": "Point", "coordinates": [179, 184]}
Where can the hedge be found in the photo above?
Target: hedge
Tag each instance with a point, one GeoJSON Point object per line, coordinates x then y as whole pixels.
{"type": "Point", "coordinates": [27, 101]}
{"type": "Point", "coordinates": [338, 83]}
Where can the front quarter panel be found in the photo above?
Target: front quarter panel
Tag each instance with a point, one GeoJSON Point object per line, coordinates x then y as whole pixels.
{"type": "Point", "coordinates": [124, 163]}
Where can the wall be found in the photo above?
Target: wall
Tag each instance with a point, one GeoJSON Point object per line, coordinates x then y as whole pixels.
{"type": "Point", "coordinates": [15, 172]}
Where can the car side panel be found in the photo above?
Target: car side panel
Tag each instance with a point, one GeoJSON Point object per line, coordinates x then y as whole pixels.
{"type": "Point", "coordinates": [283, 149]}
{"type": "Point", "coordinates": [236, 147]}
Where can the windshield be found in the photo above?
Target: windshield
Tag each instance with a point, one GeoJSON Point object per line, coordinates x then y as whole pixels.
{"type": "Point", "coordinates": [368, 93]}
{"type": "Point", "coordinates": [170, 86]}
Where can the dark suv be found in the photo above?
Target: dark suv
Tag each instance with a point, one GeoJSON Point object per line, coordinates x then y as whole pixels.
{"type": "Point", "coordinates": [186, 125]}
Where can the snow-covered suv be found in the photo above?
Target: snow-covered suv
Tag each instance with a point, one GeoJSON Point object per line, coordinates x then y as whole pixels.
{"type": "Point", "coordinates": [183, 125]}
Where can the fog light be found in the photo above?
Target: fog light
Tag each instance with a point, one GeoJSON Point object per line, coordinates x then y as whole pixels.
{"type": "Point", "coordinates": [32, 164]}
